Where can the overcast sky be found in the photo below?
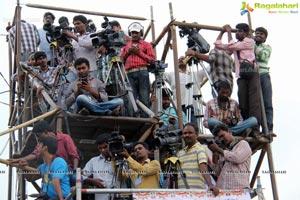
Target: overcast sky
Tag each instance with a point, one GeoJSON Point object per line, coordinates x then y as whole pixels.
{"type": "Point", "coordinates": [283, 37]}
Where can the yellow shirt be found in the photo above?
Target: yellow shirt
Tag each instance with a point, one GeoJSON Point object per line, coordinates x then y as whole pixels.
{"type": "Point", "coordinates": [143, 175]}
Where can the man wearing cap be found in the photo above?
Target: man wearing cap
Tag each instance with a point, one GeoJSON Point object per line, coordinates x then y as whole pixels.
{"type": "Point", "coordinates": [98, 171]}
{"type": "Point", "coordinates": [233, 165]}
{"type": "Point", "coordinates": [246, 71]}
{"type": "Point", "coordinates": [169, 114]}
{"type": "Point", "coordinates": [262, 54]}
{"type": "Point", "coordinates": [82, 43]}
{"type": "Point", "coordinates": [137, 54]}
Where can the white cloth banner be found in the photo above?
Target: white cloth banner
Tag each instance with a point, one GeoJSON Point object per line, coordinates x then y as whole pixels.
{"type": "Point", "coordinates": [201, 195]}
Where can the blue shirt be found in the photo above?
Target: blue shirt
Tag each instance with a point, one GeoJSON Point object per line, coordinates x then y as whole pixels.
{"type": "Point", "coordinates": [58, 169]}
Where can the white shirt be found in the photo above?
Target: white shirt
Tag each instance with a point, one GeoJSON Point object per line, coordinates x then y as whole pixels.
{"type": "Point", "coordinates": [184, 78]}
{"type": "Point", "coordinates": [100, 169]}
{"type": "Point", "coordinates": [85, 49]}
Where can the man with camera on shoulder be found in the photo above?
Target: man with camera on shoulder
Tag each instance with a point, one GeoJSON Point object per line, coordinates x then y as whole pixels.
{"type": "Point", "coordinates": [225, 110]}
{"type": "Point", "coordinates": [88, 94]}
{"type": "Point", "coordinates": [233, 165]}
{"type": "Point", "coordinates": [143, 172]}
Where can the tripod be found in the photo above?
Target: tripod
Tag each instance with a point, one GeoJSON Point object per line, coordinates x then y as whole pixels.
{"type": "Point", "coordinates": [172, 170]}
{"type": "Point", "coordinates": [117, 180]}
{"type": "Point", "coordinates": [193, 102]}
{"type": "Point", "coordinates": [119, 77]}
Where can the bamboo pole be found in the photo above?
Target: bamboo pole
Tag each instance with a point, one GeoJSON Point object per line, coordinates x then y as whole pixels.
{"type": "Point", "coordinates": [258, 165]}
{"type": "Point", "coordinates": [25, 168]}
{"type": "Point", "coordinates": [167, 46]}
{"type": "Point", "coordinates": [153, 28]}
{"type": "Point", "coordinates": [201, 26]}
{"type": "Point", "coordinates": [176, 70]}
{"type": "Point", "coordinates": [162, 34]}
{"type": "Point", "coordinates": [84, 11]}
{"type": "Point", "coordinates": [43, 116]}
{"type": "Point", "coordinates": [272, 175]}
{"type": "Point", "coordinates": [146, 134]}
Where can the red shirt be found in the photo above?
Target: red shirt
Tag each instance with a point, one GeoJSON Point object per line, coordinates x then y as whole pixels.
{"type": "Point", "coordinates": [65, 148]}
{"type": "Point", "coordinates": [136, 61]}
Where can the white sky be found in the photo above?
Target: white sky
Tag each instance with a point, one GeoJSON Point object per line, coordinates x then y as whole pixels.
{"type": "Point", "coordinates": [283, 37]}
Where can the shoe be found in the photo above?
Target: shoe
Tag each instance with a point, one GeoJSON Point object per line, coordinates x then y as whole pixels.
{"type": "Point", "coordinates": [255, 134]}
{"type": "Point", "coordinates": [247, 132]}
{"type": "Point", "coordinates": [84, 111]}
{"type": "Point", "coordinates": [116, 111]}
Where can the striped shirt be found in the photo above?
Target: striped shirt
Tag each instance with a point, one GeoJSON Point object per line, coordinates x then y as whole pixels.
{"type": "Point", "coordinates": [30, 38]}
{"type": "Point", "coordinates": [213, 110]}
{"type": "Point", "coordinates": [221, 66]}
{"type": "Point", "coordinates": [190, 159]}
{"type": "Point", "coordinates": [262, 55]}
{"type": "Point", "coordinates": [235, 167]}
{"type": "Point", "coordinates": [137, 61]}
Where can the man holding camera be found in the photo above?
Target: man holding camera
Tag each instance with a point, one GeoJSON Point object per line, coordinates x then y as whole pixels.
{"type": "Point", "coordinates": [88, 94]}
{"type": "Point", "coordinates": [193, 161]}
{"type": "Point", "coordinates": [225, 110]}
{"type": "Point", "coordinates": [142, 172]}
{"type": "Point", "coordinates": [137, 54]}
{"type": "Point", "coordinates": [82, 42]}
{"type": "Point", "coordinates": [48, 20]}
{"type": "Point", "coordinates": [98, 171]}
{"type": "Point", "coordinates": [233, 165]}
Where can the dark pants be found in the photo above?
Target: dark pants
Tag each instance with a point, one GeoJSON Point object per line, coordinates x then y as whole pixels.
{"type": "Point", "coordinates": [249, 97]}
{"type": "Point", "coordinates": [140, 84]}
{"type": "Point", "coordinates": [266, 87]}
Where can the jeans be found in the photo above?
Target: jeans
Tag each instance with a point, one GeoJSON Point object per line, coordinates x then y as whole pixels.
{"type": "Point", "coordinates": [140, 84]}
{"type": "Point", "coordinates": [249, 97]}
{"type": "Point", "coordinates": [236, 130]}
{"type": "Point", "coordinates": [97, 108]}
{"type": "Point", "coordinates": [266, 87]}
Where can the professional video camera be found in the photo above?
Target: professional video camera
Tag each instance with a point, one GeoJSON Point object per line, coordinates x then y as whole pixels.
{"type": "Point", "coordinates": [167, 138]}
{"type": "Point", "coordinates": [55, 32]}
{"type": "Point", "coordinates": [195, 41]}
{"type": "Point", "coordinates": [208, 142]}
{"type": "Point", "coordinates": [117, 145]}
{"type": "Point", "coordinates": [157, 66]}
{"type": "Point", "coordinates": [108, 37]}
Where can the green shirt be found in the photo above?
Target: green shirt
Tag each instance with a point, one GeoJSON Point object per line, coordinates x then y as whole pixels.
{"type": "Point", "coordinates": [262, 56]}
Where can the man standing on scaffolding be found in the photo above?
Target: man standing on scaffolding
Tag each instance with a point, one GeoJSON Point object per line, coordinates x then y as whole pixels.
{"type": "Point", "coordinates": [246, 72]}
{"type": "Point", "coordinates": [137, 54]}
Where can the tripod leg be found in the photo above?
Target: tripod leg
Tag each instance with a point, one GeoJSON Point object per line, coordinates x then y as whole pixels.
{"type": "Point", "coordinates": [182, 175]}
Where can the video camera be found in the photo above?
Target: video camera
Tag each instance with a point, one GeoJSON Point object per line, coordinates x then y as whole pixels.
{"type": "Point", "coordinates": [167, 138]}
{"type": "Point", "coordinates": [55, 32]}
{"type": "Point", "coordinates": [117, 145]}
{"type": "Point", "coordinates": [108, 37]}
{"type": "Point", "coordinates": [195, 41]}
{"type": "Point", "coordinates": [208, 142]}
{"type": "Point", "coordinates": [157, 66]}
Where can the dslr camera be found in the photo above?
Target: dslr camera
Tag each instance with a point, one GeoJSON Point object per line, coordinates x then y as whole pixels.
{"type": "Point", "coordinates": [167, 138]}
{"type": "Point", "coordinates": [195, 41]}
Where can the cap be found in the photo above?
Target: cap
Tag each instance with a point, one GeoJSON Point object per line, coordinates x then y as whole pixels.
{"type": "Point", "coordinates": [38, 54]}
{"type": "Point", "coordinates": [135, 26]}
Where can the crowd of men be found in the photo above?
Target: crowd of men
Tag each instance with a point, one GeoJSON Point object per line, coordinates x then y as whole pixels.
{"type": "Point", "coordinates": [83, 72]}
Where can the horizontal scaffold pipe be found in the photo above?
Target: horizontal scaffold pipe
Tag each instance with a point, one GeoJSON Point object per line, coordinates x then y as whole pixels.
{"type": "Point", "coordinates": [135, 190]}
{"type": "Point", "coordinates": [84, 11]}
{"type": "Point", "coordinates": [25, 124]}
{"type": "Point", "coordinates": [201, 26]}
